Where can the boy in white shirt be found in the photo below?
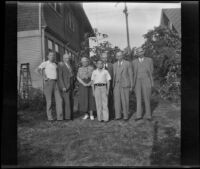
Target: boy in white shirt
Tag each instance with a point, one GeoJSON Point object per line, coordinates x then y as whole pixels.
{"type": "Point", "coordinates": [100, 86]}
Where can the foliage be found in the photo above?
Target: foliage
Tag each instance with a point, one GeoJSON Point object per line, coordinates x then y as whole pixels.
{"type": "Point", "coordinates": [164, 47]}
{"type": "Point", "coordinates": [101, 45]}
{"type": "Point", "coordinates": [36, 100]}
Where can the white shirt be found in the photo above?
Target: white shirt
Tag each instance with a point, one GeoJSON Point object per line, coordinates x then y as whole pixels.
{"type": "Point", "coordinates": [100, 76]}
{"type": "Point", "coordinates": [141, 59]}
{"type": "Point", "coordinates": [50, 69]}
{"type": "Point", "coordinates": [105, 65]}
{"type": "Point", "coordinates": [120, 63]}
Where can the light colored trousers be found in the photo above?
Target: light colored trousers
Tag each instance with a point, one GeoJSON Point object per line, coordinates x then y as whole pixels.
{"type": "Point", "coordinates": [121, 101]}
{"type": "Point", "coordinates": [101, 100]}
{"type": "Point", "coordinates": [51, 88]}
{"type": "Point", "coordinates": [143, 87]}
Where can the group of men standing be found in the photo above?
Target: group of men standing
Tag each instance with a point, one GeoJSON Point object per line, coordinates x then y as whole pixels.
{"type": "Point", "coordinates": [125, 77]}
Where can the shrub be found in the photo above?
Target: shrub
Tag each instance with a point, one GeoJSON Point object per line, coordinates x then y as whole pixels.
{"type": "Point", "coordinates": [164, 47]}
{"type": "Point", "coordinates": [36, 100]}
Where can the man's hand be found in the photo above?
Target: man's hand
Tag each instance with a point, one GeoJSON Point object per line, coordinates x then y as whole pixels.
{"type": "Point", "coordinates": [46, 78]}
{"type": "Point", "coordinates": [131, 89]}
{"type": "Point", "coordinates": [64, 89]}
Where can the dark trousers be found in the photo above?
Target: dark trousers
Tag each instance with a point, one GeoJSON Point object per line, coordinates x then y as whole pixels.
{"type": "Point", "coordinates": [67, 105]}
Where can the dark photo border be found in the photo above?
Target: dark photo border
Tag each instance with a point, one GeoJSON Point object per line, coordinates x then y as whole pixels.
{"type": "Point", "coordinates": [190, 86]}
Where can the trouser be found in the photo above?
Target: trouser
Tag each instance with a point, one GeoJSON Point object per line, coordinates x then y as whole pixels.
{"type": "Point", "coordinates": [101, 100]}
{"type": "Point", "coordinates": [51, 88]}
{"type": "Point", "coordinates": [67, 105]}
{"type": "Point", "coordinates": [143, 86]}
{"type": "Point", "coordinates": [121, 101]}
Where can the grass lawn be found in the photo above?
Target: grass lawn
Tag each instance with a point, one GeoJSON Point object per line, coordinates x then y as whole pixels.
{"type": "Point", "coordinates": [91, 143]}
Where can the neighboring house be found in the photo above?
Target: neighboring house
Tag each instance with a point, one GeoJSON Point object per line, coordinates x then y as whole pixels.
{"type": "Point", "coordinates": [44, 27]}
{"type": "Point", "coordinates": [171, 18]}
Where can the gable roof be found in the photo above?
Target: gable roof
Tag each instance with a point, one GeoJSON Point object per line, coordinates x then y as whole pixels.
{"type": "Point", "coordinates": [174, 15]}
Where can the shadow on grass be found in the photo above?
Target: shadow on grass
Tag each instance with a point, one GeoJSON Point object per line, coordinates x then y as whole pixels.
{"type": "Point", "coordinates": [165, 151]}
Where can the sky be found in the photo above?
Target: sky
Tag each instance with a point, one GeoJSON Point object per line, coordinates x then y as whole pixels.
{"type": "Point", "coordinates": [109, 19]}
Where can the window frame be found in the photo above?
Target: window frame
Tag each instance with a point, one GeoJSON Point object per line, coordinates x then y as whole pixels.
{"type": "Point", "coordinates": [53, 5]}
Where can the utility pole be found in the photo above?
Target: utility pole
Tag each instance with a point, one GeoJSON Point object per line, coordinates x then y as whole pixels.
{"type": "Point", "coordinates": [127, 29]}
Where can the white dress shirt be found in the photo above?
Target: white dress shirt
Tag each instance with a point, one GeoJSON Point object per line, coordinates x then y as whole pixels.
{"type": "Point", "coordinates": [141, 59]}
{"type": "Point", "coordinates": [50, 69]}
{"type": "Point", "coordinates": [120, 63]}
{"type": "Point", "coordinates": [100, 76]}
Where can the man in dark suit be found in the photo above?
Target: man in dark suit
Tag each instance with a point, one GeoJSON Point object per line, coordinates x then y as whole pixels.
{"type": "Point", "coordinates": [143, 82]}
{"type": "Point", "coordinates": [109, 66]}
{"type": "Point", "coordinates": [65, 83]}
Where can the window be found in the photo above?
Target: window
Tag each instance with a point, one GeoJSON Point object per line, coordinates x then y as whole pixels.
{"type": "Point", "coordinates": [50, 45]}
{"type": "Point", "coordinates": [70, 21]}
{"type": "Point", "coordinates": [56, 7]}
{"type": "Point", "coordinates": [56, 48]}
{"type": "Point", "coordinates": [58, 57]}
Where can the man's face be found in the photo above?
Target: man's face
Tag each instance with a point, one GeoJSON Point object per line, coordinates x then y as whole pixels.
{"type": "Point", "coordinates": [104, 58]}
{"type": "Point", "coordinates": [66, 58]}
{"type": "Point", "coordinates": [51, 57]}
{"type": "Point", "coordinates": [100, 64]}
{"type": "Point", "coordinates": [85, 62]}
{"type": "Point", "coordinates": [119, 56]}
{"type": "Point", "coordinates": [141, 54]}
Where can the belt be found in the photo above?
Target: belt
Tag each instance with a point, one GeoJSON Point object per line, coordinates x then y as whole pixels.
{"type": "Point", "coordinates": [100, 84]}
{"type": "Point", "coordinates": [51, 79]}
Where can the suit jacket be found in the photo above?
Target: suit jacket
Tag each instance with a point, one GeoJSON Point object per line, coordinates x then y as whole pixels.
{"type": "Point", "coordinates": [64, 76]}
{"type": "Point", "coordinates": [110, 69]}
{"type": "Point", "coordinates": [148, 62]}
{"type": "Point", "coordinates": [126, 79]}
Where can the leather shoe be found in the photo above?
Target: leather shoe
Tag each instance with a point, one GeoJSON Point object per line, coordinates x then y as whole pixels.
{"type": "Point", "coordinates": [137, 119]}
{"type": "Point", "coordinates": [149, 119]}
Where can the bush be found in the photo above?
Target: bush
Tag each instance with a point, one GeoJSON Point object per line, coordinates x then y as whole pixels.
{"type": "Point", "coordinates": [164, 47]}
{"type": "Point", "coordinates": [36, 100]}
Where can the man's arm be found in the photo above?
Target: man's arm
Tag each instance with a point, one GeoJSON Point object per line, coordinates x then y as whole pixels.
{"type": "Point", "coordinates": [60, 78]}
{"type": "Point", "coordinates": [130, 72]}
{"type": "Point", "coordinates": [92, 83]}
{"type": "Point", "coordinates": [108, 86]}
{"type": "Point", "coordinates": [41, 71]}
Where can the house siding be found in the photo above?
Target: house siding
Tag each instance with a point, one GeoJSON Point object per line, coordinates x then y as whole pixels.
{"type": "Point", "coordinates": [27, 16]}
{"type": "Point", "coordinates": [29, 51]}
{"type": "Point", "coordinates": [56, 24]}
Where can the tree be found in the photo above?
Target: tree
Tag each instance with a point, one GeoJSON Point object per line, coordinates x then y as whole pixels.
{"type": "Point", "coordinates": [164, 47]}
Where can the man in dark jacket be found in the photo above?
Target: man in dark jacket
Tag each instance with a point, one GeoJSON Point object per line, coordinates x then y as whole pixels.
{"type": "Point", "coordinates": [65, 83]}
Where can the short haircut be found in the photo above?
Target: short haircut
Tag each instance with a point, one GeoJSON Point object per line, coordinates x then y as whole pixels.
{"type": "Point", "coordinates": [66, 54]}
{"type": "Point", "coordinates": [99, 60]}
{"type": "Point", "coordinates": [119, 52]}
{"type": "Point", "coordinates": [84, 59]}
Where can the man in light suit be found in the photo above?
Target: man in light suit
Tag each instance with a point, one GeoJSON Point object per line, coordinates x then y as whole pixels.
{"type": "Point", "coordinates": [109, 67]}
{"type": "Point", "coordinates": [122, 85]}
{"type": "Point", "coordinates": [65, 83]}
{"type": "Point", "coordinates": [143, 82]}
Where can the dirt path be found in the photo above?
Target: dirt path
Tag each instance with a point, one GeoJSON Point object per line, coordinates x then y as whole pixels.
{"type": "Point", "coordinates": [90, 143]}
